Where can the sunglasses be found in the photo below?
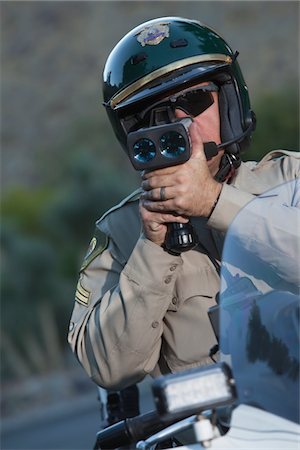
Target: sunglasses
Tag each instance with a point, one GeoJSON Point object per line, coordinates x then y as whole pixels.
{"type": "Point", "coordinates": [192, 101]}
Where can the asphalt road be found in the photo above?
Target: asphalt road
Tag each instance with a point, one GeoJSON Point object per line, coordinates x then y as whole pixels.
{"type": "Point", "coordinates": [75, 430]}
{"type": "Point", "coordinates": [71, 426]}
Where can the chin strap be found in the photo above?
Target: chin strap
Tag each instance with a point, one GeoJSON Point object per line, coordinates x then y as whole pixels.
{"type": "Point", "coordinates": [229, 162]}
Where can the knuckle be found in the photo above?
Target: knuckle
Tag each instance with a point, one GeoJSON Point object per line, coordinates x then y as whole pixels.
{"type": "Point", "coordinates": [178, 203]}
{"type": "Point", "coordinates": [180, 207]}
{"type": "Point", "coordinates": [181, 179]}
{"type": "Point", "coordinates": [147, 185]}
{"type": "Point", "coordinates": [181, 189]}
{"type": "Point", "coordinates": [150, 184]}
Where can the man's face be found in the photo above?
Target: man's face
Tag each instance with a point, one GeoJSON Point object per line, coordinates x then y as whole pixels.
{"type": "Point", "coordinates": [208, 121]}
{"type": "Point", "coordinates": [199, 102]}
{"type": "Point", "coordinates": [209, 127]}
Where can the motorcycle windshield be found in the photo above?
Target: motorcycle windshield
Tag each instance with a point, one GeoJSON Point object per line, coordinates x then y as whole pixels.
{"type": "Point", "coordinates": [259, 301]}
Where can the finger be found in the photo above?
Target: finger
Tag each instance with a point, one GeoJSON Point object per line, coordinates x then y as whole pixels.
{"type": "Point", "coordinates": [162, 218]}
{"type": "Point", "coordinates": [158, 172]}
{"type": "Point", "coordinates": [160, 194]}
{"type": "Point", "coordinates": [167, 218]}
{"type": "Point", "coordinates": [158, 206]}
{"type": "Point", "coordinates": [157, 182]}
{"type": "Point", "coordinates": [197, 143]}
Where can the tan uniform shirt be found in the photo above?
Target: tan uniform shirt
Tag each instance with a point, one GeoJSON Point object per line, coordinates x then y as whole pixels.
{"type": "Point", "coordinates": [140, 310]}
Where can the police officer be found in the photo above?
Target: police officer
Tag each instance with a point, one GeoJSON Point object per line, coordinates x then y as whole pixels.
{"type": "Point", "coordinates": [140, 307]}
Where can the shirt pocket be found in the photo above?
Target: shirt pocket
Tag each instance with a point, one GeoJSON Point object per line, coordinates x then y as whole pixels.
{"type": "Point", "coordinates": [199, 282]}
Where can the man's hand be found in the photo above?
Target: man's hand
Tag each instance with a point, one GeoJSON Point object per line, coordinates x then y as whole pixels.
{"type": "Point", "coordinates": [189, 188]}
{"type": "Point", "coordinates": [154, 224]}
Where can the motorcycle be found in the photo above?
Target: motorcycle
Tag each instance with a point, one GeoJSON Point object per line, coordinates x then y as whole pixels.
{"type": "Point", "coordinates": [250, 398]}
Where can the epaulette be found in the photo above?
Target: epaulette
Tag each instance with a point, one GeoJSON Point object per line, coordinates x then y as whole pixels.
{"type": "Point", "coordinates": [134, 196]}
{"type": "Point", "coordinates": [276, 154]}
{"type": "Point", "coordinates": [99, 241]}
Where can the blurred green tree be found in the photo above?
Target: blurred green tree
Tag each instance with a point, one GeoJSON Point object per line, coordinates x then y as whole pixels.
{"type": "Point", "coordinates": [277, 123]}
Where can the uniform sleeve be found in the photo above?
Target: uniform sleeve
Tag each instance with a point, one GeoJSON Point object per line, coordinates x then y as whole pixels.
{"type": "Point", "coordinates": [269, 229]}
{"type": "Point", "coordinates": [116, 328]}
{"type": "Point", "coordinates": [252, 179]}
{"type": "Point", "coordinates": [230, 202]}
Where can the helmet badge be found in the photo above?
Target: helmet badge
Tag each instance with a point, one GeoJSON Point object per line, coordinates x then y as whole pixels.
{"type": "Point", "coordinates": [153, 34]}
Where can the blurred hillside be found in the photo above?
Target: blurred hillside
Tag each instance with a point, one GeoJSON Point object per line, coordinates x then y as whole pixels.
{"type": "Point", "coordinates": [61, 166]}
{"type": "Point", "coordinates": [53, 54]}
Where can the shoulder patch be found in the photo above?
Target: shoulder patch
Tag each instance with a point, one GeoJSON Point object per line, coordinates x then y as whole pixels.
{"type": "Point", "coordinates": [99, 241]}
{"type": "Point", "coordinates": [98, 244]}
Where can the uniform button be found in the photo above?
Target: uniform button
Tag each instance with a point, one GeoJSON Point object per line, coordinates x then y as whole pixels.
{"type": "Point", "coordinates": [168, 279]}
{"type": "Point", "coordinates": [174, 301]}
{"type": "Point", "coordinates": [172, 268]}
{"type": "Point", "coordinates": [71, 326]}
{"type": "Point", "coordinates": [155, 324]}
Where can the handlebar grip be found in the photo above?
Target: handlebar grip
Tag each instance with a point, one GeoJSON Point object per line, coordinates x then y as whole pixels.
{"type": "Point", "coordinates": [112, 437]}
{"type": "Point", "coordinates": [130, 430]}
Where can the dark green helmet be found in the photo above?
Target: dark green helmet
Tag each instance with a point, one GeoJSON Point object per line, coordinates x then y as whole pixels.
{"type": "Point", "coordinates": [165, 55]}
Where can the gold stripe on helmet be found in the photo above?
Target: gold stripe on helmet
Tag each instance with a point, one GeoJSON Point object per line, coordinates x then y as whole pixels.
{"type": "Point", "coordinates": [131, 89]}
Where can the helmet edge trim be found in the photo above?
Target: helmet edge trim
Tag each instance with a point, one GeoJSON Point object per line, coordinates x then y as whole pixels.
{"type": "Point", "coordinates": [127, 91]}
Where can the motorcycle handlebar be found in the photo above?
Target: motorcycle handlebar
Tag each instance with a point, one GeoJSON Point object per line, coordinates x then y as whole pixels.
{"type": "Point", "coordinates": [131, 430]}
